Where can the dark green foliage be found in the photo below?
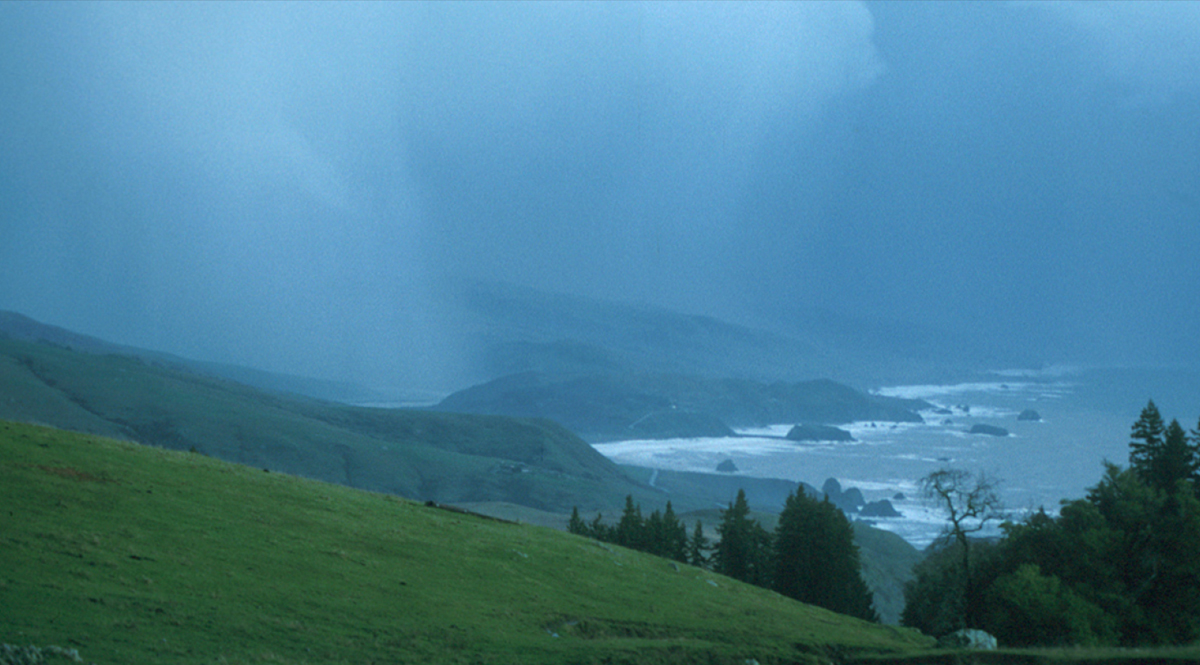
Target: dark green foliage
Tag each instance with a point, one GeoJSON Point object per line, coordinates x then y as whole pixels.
{"type": "Point", "coordinates": [1178, 461]}
{"type": "Point", "coordinates": [576, 525]}
{"type": "Point", "coordinates": [696, 547]}
{"type": "Point", "coordinates": [934, 600]}
{"type": "Point", "coordinates": [661, 534]}
{"type": "Point", "coordinates": [1028, 608]}
{"type": "Point", "coordinates": [1147, 438]}
{"type": "Point", "coordinates": [1162, 456]}
{"type": "Point", "coordinates": [1118, 567]}
{"type": "Point", "coordinates": [631, 530]}
{"type": "Point", "coordinates": [813, 558]}
{"type": "Point", "coordinates": [669, 535]}
{"type": "Point", "coordinates": [1130, 550]}
{"type": "Point", "coordinates": [816, 560]}
{"type": "Point", "coordinates": [744, 551]}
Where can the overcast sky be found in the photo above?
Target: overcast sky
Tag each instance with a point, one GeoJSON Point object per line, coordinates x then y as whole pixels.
{"type": "Point", "coordinates": [289, 185]}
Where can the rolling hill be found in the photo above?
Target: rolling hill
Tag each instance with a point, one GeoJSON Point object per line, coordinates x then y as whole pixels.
{"type": "Point", "coordinates": [444, 457]}
{"type": "Point", "coordinates": [604, 407]}
{"type": "Point", "coordinates": [421, 455]}
{"type": "Point", "coordinates": [129, 553]}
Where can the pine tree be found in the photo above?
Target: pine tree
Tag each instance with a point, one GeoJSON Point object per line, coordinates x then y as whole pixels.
{"type": "Point", "coordinates": [675, 538]}
{"type": "Point", "coordinates": [576, 525]}
{"type": "Point", "coordinates": [816, 559]}
{"type": "Point", "coordinates": [1176, 461]}
{"type": "Point", "coordinates": [631, 529]}
{"type": "Point", "coordinates": [696, 547]}
{"type": "Point", "coordinates": [601, 531]}
{"type": "Point", "coordinates": [1147, 443]}
{"type": "Point", "coordinates": [1162, 456]}
{"type": "Point", "coordinates": [743, 552]}
{"type": "Point", "coordinates": [654, 540]}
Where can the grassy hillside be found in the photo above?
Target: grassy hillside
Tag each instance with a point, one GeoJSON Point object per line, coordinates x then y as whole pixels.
{"type": "Point", "coordinates": [133, 554]}
{"type": "Point", "coordinates": [444, 457]}
{"type": "Point", "coordinates": [439, 456]}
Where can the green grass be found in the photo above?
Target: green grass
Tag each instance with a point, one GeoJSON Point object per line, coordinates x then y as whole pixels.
{"type": "Point", "coordinates": [134, 554]}
{"type": "Point", "coordinates": [1057, 656]}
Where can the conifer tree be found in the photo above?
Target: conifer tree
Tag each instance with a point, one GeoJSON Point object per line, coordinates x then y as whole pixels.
{"type": "Point", "coordinates": [1176, 461]}
{"type": "Point", "coordinates": [601, 531]}
{"type": "Point", "coordinates": [675, 538]}
{"type": "Point", "coordinates": [576, 525]}
{"type": "Point", "coordinates": [696, 547]}
{"type": "Point", "coordinates": [631, 529]}
{"type": "Point", "coordinates": [744, 548]}
{"type": "Point", "coordinates": [1162, 456]}
{"type": "Point", "coordinates": [1147, 443]}
{"type": "Point", "coordinates": [817, 560]}
{"type": "Point", "coordinates": [654, 538]}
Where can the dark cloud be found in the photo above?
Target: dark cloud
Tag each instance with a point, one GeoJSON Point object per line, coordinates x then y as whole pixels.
{"type": "Point", "coordinates": [287, 185]}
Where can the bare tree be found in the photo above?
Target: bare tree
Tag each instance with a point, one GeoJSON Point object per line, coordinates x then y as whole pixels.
{"type": "Point", "coordinates": [970, 501]}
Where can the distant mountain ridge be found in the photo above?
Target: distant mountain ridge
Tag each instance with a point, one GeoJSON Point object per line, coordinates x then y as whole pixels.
{"type": "Point", "coordinates": [515, 329]}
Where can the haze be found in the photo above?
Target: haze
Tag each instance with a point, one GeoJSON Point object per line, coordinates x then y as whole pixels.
{"type": "Point", "coordinates": [295, 186]}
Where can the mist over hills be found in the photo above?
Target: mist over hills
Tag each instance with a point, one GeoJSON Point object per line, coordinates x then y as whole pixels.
{"type": "Point", "coordinates": [921, 179]}
{"type": "Point", "coordinates": [514, 329]}
{"type": "Point", "coordinates": [503, 329]}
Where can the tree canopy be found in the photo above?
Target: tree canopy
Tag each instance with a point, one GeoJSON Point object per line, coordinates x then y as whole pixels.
{"type": "Point", "coordinates": [743, 551]}
{"type": "Point", "coordinates": [1119, 566]}
{"type": "Point", "coordinates": [811, 557]}
{"type": "Point", "coordinates": [816, 559]}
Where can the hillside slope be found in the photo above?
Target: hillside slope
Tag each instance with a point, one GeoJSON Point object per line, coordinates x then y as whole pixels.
{"type": "Point", "coordinates": [14, 325]}
{"type": "Point", "coordinates": [420, 455]}
{"type": "Point", "coordinates": [613, 406]}
{"type": "Point", "coordinates": [133, 554]}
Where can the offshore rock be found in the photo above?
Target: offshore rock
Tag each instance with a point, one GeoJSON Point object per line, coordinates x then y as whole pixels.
{"type": "Point", "coordinates": [818, 433]}
{"type": "Point", "coordinates": [881, 508]}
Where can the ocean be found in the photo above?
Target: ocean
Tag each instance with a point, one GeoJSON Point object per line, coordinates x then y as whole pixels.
{"type": "Point", "coordinates": [1086, 415]}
